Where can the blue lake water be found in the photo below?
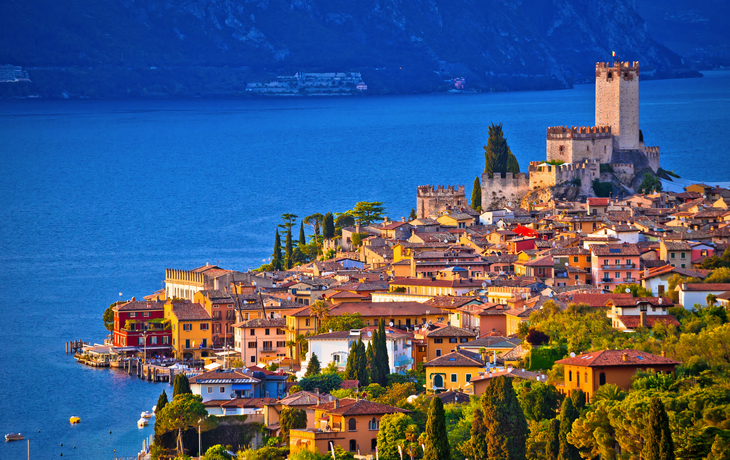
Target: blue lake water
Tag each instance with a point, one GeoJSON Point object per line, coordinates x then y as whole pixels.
{"type": "Point", "coordinates": [99, 197]}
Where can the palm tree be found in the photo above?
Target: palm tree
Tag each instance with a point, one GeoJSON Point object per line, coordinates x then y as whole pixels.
{"type": "Point", "coordinates": [609, 392]}
{"type": "Point", "coordinates": [320, 311]}
{"type": "Point", "coordinates": [711, 299]}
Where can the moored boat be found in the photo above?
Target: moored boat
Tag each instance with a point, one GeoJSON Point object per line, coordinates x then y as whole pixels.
{"type": "Point", "coordinates": [74, 420]}
{"type": "Point", "coordinates": [141, 423]}
{"type": "Point", "coordinates": [147, 414]}
{"type": "Point", "coordinates": [14, 437]}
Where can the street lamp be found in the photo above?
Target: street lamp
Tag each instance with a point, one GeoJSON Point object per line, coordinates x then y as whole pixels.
{"type": "Point", "coordinates": [144, 334]}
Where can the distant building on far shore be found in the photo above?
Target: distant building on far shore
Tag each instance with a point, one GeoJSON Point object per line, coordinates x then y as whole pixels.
{"type": "Point", "coordinates": [12, 73]}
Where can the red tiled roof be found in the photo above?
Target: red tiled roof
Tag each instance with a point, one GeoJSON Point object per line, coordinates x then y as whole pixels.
{"type": "Point", "coordinates": [458, 358]}
{"type": "Point", "coordinates": [706, 287]}
{"type": "Point", "coordinates": [634, 301]}
{"type": "Point", "coordinates": [187, 311]}
{"type": "Point", "coordinates": [615, 358]}
{"type": "Point", "coordinates": [615, 249]}
{"type": "Point", "coordinates": [349, 406]}
{"type": "Point", "coordinates": [385, 309]}
{"type": "Point", "coordinates": [598, 201]}
{"type": "Point", "coordinates": [136, 305]}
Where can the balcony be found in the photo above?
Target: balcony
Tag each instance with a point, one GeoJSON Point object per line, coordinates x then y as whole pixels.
{"type": "Point", "coordinates": [267, 349]}
{"type": "Point", "coordinates": [619, 267]}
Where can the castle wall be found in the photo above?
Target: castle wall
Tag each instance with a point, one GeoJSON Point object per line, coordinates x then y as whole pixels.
{"type": "Point", "coordinates": [550, 176]}
{"type": "Point", "coordinates": [624, 172]}
{"type": "Point", "coordinates": [653, 154]}
{"type": "Point", "coordinates": [432, 201]}
{"type": "Point", "coordinates": [617, 102]}
{"type": "Point", "coordinates": [576, 144]}
{"type": "Point", "coordinates": [498, 192]}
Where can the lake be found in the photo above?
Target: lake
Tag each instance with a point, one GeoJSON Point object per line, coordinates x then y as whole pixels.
{"type": "Point", "coordinates": [99, 197]}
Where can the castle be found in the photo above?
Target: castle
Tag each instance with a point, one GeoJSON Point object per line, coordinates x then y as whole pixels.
{"type": "Point", "coordinates": [432, 201]}
{"type": "Point", "coordinates": [576, 152]}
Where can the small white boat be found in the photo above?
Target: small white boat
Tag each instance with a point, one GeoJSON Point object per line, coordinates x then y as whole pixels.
{"type": "Point", "coordinates": [14, 437]}
{"type": "Point", "coordinates": [147, 415]}
{"type": "Point", "coordinates": [154, 409]}
{"type": "Point", "coordinates": [141, 423]}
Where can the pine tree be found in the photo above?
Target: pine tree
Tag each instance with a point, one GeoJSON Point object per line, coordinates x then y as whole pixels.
{"type": "Point", "coordinates": [413, 215]}
{"type": "Point", "coordinates": [506, 436]}
{"type": "Point", "coordinates": [276, 256]}
{"type": "Point", "coordinates": [181, 386]}
{"type": "Point", "coordinates": [498, 157]}
{"type": "Point", "coordinates": [313, 368]}
{"type": "Point", "coordinates": [552, 447]}
{"type": "Point", "coordinates": [579, 400]}
{"type": "Point", "coordinates": [289, 249]}
{"type": "Point", "coordinates": [328, 226]}
{"type": "Point", "coordinates": [164, 440]}
{"type": "Point", "coordinates": [437, 442]}
{"type": "Point", "coordinates": [478, 440]}
{"type": "Point", "coordinates": [568, 415]}
{"type": "Point", "coordinates": [476, 195]}
{"type": "Point", "coordinates": [659, 445]}
{"type": "Point", "coordinates": [302, 239]}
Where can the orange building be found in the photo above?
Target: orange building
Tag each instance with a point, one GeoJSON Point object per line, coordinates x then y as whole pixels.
{"type": "Point", "coordinates": [590, 371]}
{"type": "Point", "coordinates": [352, 424]}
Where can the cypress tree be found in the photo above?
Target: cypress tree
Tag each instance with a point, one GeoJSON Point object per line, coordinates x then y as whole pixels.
{"type": "Point", "coordinates": [498, 158]}
{"type": "Point", "coordinates": [437, 442]}
{"type": "Point", "coordinates": [568, 415]}
{"type": "Point", "coordinates": [659, 445]}
{"type": "Point", "coordinates": [552, 447]}
{"type": "Point", "coordinates": [362, 365]}
{"type": "Point", "coordinates": [370, 360]}
{"type": "Point", "coordinates": [289, 249]}
{"type": "Point", "coordinates": [180, 387]}
{"type": "Point", "coordinates": [302, 239]}
{"type": "Point", "coordinates": [478, 440]}
{"type": "Point", "coordinates": [720, 449]}
{"type": "Point", "coordinates": [413, 215]}
{"type": "Point", "coordinates": [313, 368]}
{"type": "Point", "coordinates": [164, 440]}
{"type": "Point", "coordinates": [506, 436]}
{"type": "Point", "coordinates": [476, 195]}
{"type": "Point", "coordinates": [376, 370]}
{"type": "Point", "coordinates": [328, 226]}
{"type": "Point", "coordinates": [579, 400]}
{"type": "Point", "coordinates": [381, 354]}
{"type": "Point", "coordinates": [352, 360]}
{"type": "Point", "coordinates": [276, 257]}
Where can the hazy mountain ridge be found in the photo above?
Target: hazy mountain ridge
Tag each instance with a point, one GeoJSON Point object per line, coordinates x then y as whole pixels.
{"type": "Point", "coordinates": [495, 44]}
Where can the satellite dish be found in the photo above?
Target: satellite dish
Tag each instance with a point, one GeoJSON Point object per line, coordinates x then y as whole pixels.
{"type": "Point", "coordinates": [628, 290]}
{"type": "Point", "coordinates": [566, 264]}
{"type": "Point", "coordinates": [523, 295]}
{"type": "Point", "coordinates": [254, 283]}
{"type": "Point", "coordinates": [370, 333]}
{"type": "Point", "coordinates": [445, 240]}
{"type": "Point", "coordinates": [550, 295]}
{"type": "Point", "coordinates": [484, 285]}
{"type": "Point", "coordinates": [391, 324]}
{"type": "Point", "coordinates": [288, 298]}
{"type": "Point", "coordinates": [572, 355]}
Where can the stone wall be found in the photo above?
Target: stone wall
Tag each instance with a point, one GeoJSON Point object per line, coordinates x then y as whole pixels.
{"type": "Point", "coordinates": [624, 172]}
{"type": "Point", "coordinates": [431, 201]}
{"type": "Point", "coordinates": [653, 155]}
{"type": "Point", "coordinates": [542, 175]}
{"type": "Point", "coordinates": [498, 192]}
{"type": "Point", "coordinates": [577, 143]}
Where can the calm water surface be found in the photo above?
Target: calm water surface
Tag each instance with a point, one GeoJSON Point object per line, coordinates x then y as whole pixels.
{"type": "Point", "coordinates": [99, 197]}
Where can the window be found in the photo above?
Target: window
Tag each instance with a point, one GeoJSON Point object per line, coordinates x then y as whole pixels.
{"type": "Point", "coordinates": [575, 277]}
{"type": "Point", "coordinates": [575, 259]}
{"type": "Point", "coordinates": [353, 445]}
{"type": "Point", "coordinates": [438, 340]}
{"type": "Point", "coordinates": [454, 378]}
{"type": "Point", "coordinates": [683, 265]}
{"type": "Point", "coordinates": [617, 262]}
{"type": "Point", "coordinates": [266, 331]}
{"type": "Point", "coordinates": [628, 275]}
{"type": "Point", "coordinates": [147, 314]}
{"type": "Point", "coordinates": [681, 255]}
{"type": "Point", "coordinates": [210, 390]}
{"type": "Point", "coordinates": [267, 346]}
{"type": "Point", "coordinates": [251, 344]}
{"type": "Point", "coordinates": [453, 340]}
{"type": "Point", "coordinates": [204, 344]}
{"type": "Point", "coordinates": [602, 378]}
{"type": "Point", "coordinates": [373, 444]}
{"type": "Point", "coordinates": [373, 425]}
{"type": "Point", "coordinates": [671, 255]}
{"type": "Point", "coordinates": [187, 343]}
{"type": "Point", "coordinates": [165, 340]}
{"type": "Point", "coordinates": [187, 327]}
{"type": "Point", "coordinates": [280, 331]}
{"type": "Point", "coordinates": [252, 332]}
{"type": "Point", "coordinates": [464, 340]}
{"type": "Point", "coordinates": [204, 326]}
{"type": "Point", "coordinates": [306, 322]}
{"type": "Point", "coordinates": [281, 344]}
{"type": "Point", "coordinates": [585, 377]}
{"type": "Point", "coordinates": [438, 352]}
{"type": "Point", "coordinates": [336, 358]}
{"type": "Point", "coordinates": [253, 359]}
{"type": "Point", "coordinates": [132, 315]}
{"type": "Point", "coordinates": [352, 424]}
{"type": "Point", "coordinates": [577, 378]}
{"type": "Point", "coordinates": [222, 390]}
{"type": "Point", "coordinates": [617, 275]}
{"type": "Point", "coordinates": [570, 376]}
{"type": "Point", "coordinates": [468, 377]}
{"type": "Point", "coordinates": [140, 341]}
{"type": "Point", "coordinates": [153, 340]}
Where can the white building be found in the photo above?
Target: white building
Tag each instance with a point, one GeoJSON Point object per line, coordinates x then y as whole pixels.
{"type": "Point", "coordinates": [335, 347]}
{"type": "Point", "coordinates": [223, 385]}
{"type": "Point", "coordinates": [696, 293]}
{"type": "Point", "coordinates": [491, 217]}
{"type": "Point", "coordinates": [624, 233]}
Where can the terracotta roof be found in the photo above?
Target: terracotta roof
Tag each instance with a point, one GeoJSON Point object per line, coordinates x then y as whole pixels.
{"type": "Point", "coordinates": [449, 331]}
{"type": "Point", "coordinates": [677, 246]}
{"type": "Point", "coordinates": [615, 249]}
{"type": "Point", "coordinates": [305, 398]}
{"type": "Point", "coordinates": [452, 397]}
{"type": "Point", "coordinates": [615, 358]}
{"type": "Point", "coordinates": [451, 302]}
{"type": "Point", "coordinates": [349, 406]}
{"type": "Point", "coordinates": [222, 377]}
{"type": "Point", "coordinates": [634, 301]}
{"type": "Point", "coordinates": [598, 201]}
{"type": "Point", "coordinates": [546, 261]}
{"type": "Point", "coordinates": [136, 305]}
{"type": "Point", "coordinates": [634, 321]}
{"type": "Point", "coordinates": [265, 322]}
{"type": "Point", "coordinates": [508, 372]}
{"type": "Point", "coordinates": [492, 341]}
{"type": "Point", "coordinates": [458, 358]}
{"type": "Point", "coordinates": [349, 384]}
{"type": "Point", "coordinates": [706, 287]}
{"type": "Point", "coordinates": [187, 311]}
{"type": "Point", "coordinates": [384, 309]}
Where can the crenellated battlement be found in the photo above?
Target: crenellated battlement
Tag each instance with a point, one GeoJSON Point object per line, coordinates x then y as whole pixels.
{"type": "Point", "coordinates": [578, 132]}
{"type": "Point", "coordinates": [651, 151]}
{"type": "Point", "coordinates": [605, 66]}
{"type": "Point", "coordinates": [541, 166]}
{"type": "Point", "coordinates": [499, 191]}
{"type": "Point", "coordinates": [431, 191]}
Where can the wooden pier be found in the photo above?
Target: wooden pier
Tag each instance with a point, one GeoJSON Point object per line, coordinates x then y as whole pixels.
{"type": "Point", "coordinates": [75, 346]}
{"type": "Point", "coordinates": [150, 372]}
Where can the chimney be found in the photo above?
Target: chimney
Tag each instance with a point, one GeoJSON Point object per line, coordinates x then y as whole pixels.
{"type": "Point", "coordinates": [402, 219]}
{"type": "Point", "coordinates": [625, 357]}
{"type": "Point", "coordinates": [664, 354]}
{"type": "Point", "coordinates": [337, 403]}
{"type": "Point", "coordinates": [646, 272]}
{"type": "Point", "coordinates": [642, 318]}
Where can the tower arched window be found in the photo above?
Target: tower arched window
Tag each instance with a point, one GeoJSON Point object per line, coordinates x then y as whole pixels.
{"type": "Point", "coordinates": [602, 378]}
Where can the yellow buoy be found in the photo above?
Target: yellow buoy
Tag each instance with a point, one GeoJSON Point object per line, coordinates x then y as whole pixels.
{"type": "Point", "coordinates": [74, 420]}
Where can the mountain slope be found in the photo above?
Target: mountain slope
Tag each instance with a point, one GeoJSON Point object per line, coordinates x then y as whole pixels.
{"type": "Point", "coordinates": [415, 44]}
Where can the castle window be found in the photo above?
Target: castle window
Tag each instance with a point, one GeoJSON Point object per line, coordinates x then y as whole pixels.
{"type": "Point", "coordinates": [561, 148]}
{"type": "Point", "coordinates": [610, 74]}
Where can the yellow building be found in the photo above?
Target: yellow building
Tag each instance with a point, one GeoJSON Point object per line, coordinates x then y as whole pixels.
{"type": "Point", "coordinates": [299, 322]}
{"type": "Point", "coordinates": [453, 371]}
{"type": "Point", "coordinates": [191, 331]}
{"type": "Point", "coordinates": [514, 317]}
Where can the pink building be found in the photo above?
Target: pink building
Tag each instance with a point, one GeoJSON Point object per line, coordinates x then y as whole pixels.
{"type": "Point", "coordinates": [261, 340]}
{"type": "Point", "coordinates": [614, 264]}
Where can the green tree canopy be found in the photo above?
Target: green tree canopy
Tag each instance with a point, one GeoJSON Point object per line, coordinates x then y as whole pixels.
{"type": "Point", "coordinates": [313, 368]}
{"type": "Point", "coordinates": [181, 386]}
{"type": "Point", "coordinates": [506, 425]}
{"type": "Point", "coordinates": [357, 365]}
{"type": "Point", "coordinates": [277, 255]}
{"type": "Point", "coordinates": [302, 238]}
{"type": "Point", "coordinates": [437, 442]}
{"type": "Point", "coordinates": [343, 322]}
{"type": "Point", "coordinates": [328, 226]}
{"type": "Point", "coordinates": [289, 249]}
{"type": "Point", "coordinates": [412, 215]}
{"type": "Point", "coordinates": [568, 415]}
{"type": "Point", "coordinates": [659, 445]}
{"type": "Point", "coordinates": [476, 195]}
{"type": "Point", "coordinates": [184, 411]}
{"type": "Point", "coordinates": [291, 418]}
{"type": "Point", "coordinates": [391, 434]}
{"type": "Point", "coordinates": [325, 383]}
{"type": "Point", "coordinates": [497, 154]}
{"type": "Point", "coordinates": [108, 317]}
{"type": "Point", "coordinates": [368, 212]}
{"type": "Point", "coordinates": [650, 184]}
{"type": "Point", "coordinates": [636, 290]}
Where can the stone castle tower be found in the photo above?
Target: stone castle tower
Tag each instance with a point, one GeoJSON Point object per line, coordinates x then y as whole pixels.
{"type": "Point", "coordinates": [617, 102]}
{"type": "Point", "coordinates": [432, 201]}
